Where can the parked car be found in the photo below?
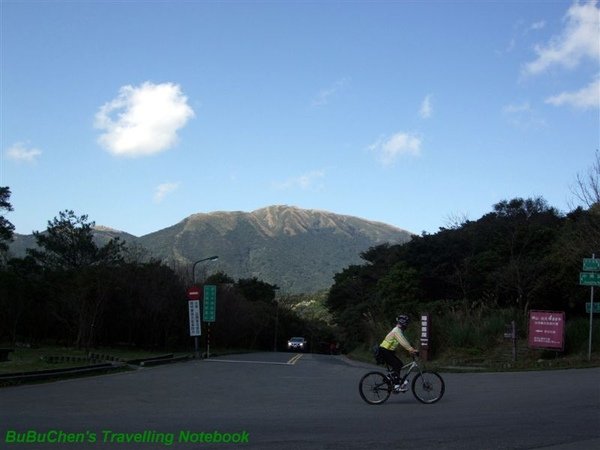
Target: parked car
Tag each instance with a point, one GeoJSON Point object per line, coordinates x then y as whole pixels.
{"type": "Point", "coordinates": [297, 343]}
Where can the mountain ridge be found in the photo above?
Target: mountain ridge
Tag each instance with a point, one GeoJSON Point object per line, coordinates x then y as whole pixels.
{"type": "Point", "coordinates": [300, 250]}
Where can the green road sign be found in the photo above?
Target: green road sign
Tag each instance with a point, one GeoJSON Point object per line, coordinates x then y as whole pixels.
{"type": "Point", "coordinates": [210, 303]}
{"type": "Point", "coordinates": [589, 278]}
{"type": "Point", "coordinates": [592, 264]}
{"type": "Point", "coordinates": [588, 305]}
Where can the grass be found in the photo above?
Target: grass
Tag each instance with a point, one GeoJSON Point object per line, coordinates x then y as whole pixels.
{"type": "Point", "coordinates": [496, 359]}
{"type": "Point", "coordinates": [25, 359]}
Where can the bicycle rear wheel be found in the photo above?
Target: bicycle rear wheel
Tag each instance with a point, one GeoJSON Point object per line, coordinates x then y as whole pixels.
{"type": "Point", "coordinates": [428, 387]}
{"type": "Point", "coordinates": [374, 388]}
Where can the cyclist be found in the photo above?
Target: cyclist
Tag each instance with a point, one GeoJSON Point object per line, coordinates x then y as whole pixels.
{"type": "Point", "coordinates": [389, 345]}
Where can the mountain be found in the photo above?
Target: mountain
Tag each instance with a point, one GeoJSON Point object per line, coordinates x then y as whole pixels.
{"type": "Point", "coordinates": [21, 242]}
{"type": "Point", "coordinates": [297, 249]}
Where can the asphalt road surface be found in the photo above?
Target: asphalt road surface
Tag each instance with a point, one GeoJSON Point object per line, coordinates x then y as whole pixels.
{"type": "Point", "coordinates": [288, 401]}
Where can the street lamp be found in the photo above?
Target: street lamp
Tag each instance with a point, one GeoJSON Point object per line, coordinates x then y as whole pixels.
{"type": "Point", "coordinates": [210, 258]}
{"type": "Point", "coordinates": [276, 288]}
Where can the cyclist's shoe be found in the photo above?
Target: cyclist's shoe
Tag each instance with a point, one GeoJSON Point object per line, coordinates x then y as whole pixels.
{"type": "Point", "coordinates": [401, 387]}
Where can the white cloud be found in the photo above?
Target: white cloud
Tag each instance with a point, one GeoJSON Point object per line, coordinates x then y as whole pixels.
{"type": "Point", "coordinates": [578, 41]}
{"type": "Point", "coordinates": [308, 181]}
{"type": "Point", "coordinates": [426, 109]}
{"type": "Point", "coordinates": [388, 150]}
{"type": "Point", "coordinates": [325, 95]}
{"type": "Point", "coordinates": [587, 97]}
{"type": "Point", "coordinates": [523, 116]}
{"type": "Point", "coordinates": [520, 30]}
{"type": "Point", "coordinates": [164, 189]}
{"type": "Point", "coordinates": [517, 108]}
{"type": "Point", "coordinates": [143, 120]}
{"type": "Point", "coordinates": [537, 25]}
{"type": "Point", "coordinates": [22, 153]}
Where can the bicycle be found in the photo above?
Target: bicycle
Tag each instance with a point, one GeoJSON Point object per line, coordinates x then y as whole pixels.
{"type": "Point", "coordinates": [427, 386]}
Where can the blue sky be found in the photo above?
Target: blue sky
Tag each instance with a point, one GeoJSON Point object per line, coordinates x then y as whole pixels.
{"type": "Point", "coordinates": [412, 113]}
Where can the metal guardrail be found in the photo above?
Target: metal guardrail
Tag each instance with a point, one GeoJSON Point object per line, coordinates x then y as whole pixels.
{"type": "Point", "coordinates": [49, 374]}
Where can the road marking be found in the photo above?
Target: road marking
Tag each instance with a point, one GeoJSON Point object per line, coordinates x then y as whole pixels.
{"type": "Point", "coordinates": [295, 359]}
{"type": "Point", "coordinates": [291, 362]}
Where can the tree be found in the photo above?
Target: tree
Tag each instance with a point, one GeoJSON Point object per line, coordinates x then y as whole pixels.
{"type": "Point", "coordinates": [219, 277]}
{"type": "Point", "coordinates": [587, 193]}
{"type": "Point", "coordinates": [587, 186]}
{"type": "Point", "coordinates": [255, 290]}
{"type": "Point", "coordinates": [527, 231]}
{"type": "Point", "coordinates": [6, 228]}
{"type": "Point", "coordinates": [399, 288]}
{"type": "Point", "coordinates": [68, 253]}
{"type": "Point", "coordinates": [68, 243]}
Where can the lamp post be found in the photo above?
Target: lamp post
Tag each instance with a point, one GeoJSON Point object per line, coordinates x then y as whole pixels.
{"type": "Point", "coordinates": [276, 288]}
{"type": "Point", "coordinates": [210, 258]}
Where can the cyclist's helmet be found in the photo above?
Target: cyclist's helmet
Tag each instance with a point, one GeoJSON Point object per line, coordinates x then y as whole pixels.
{"type": "Point", "coordinates": [403, 320]}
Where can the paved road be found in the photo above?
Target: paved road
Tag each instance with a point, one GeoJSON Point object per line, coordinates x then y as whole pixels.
{"type": "Point", "coordinates": [279, 401]}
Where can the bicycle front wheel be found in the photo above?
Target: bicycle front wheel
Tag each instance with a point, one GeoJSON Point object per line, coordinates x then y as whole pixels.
{"type": "Point", "coordinates": [374, 388]}
{"type": "Point", "coordinates": [428, 387]}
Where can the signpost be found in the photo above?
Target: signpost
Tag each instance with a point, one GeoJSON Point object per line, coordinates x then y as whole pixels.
{"type": "Point", "coordinates": [591, 264]}
{"type": "Point", "coordinates": [425, 333]}
{"type": "Point", "coordinates": [511, 333]}
{"type": "Point", "coordinates": [210, 303]}
{"type": "Point", "coordinates": [588, 308]}
{"type": "Point", "coordinates": [590, 278]}
{"type": "Point", "coordinates": [193, 294]}
{"type": "Point", "coordinates": [194, 311]}
{"type": "Point", "coordinates": [210, 311]}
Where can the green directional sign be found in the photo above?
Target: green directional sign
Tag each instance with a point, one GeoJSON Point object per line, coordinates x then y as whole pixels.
{"type": "Point", "coordinates": [589, 278]}
{"type": "Point", "coordinates": [588, 306]}
{"type": "Point", "coordinates": [210, 303]}
{"type": "Point", "coordinates": [591, 264]}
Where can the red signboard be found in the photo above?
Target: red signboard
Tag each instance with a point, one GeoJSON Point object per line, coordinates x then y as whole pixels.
{"type": "Point", "coordinates": [193, 293]}
{"type": "Point", "coordinates": [547, 330]}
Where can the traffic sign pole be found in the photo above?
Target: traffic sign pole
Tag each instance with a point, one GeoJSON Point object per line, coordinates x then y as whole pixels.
{"type": "Point", "coordinates": [590, 278]}
{"type": "Point", "coordinates": [591, 322]}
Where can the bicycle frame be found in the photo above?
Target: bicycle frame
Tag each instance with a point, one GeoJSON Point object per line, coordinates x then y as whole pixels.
{"type": "Point", "coordinates": [408, 367]}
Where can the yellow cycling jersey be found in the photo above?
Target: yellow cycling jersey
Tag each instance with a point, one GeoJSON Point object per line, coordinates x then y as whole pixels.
{"type": "Point", "coordinates": [394, 338]}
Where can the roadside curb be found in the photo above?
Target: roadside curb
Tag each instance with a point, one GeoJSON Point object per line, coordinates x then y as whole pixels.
{"type": "Point", "coordinates": [19, 378]}
{"type": "Point", "coordinates": [52, 374]}
{"type": "Point", "coordinates": [163, 360]}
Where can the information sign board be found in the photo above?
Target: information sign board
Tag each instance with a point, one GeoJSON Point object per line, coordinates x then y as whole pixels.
{"type": "Point", "coordinates": [425, 327]}
{"type": "Point", "coordinates": [194, 311]}
{"type": "Point", "coordinates": [588, 307]}
{"type": "Point", "coordinates": [547, 330]}
{"type": "Point", "coordinates": [210, 303]}
{"type": "Point", "coordinates": [589, 278]}
{"type": "Point", "coordinates": [591, 264]}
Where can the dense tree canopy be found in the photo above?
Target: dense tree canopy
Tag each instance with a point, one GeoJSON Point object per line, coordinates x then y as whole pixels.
{"type": "Point", "coordinates": [523, 254]}
{"type": "Point", "coordinates": [6, 228]}
{"type": "Point", "coordinates": [513, 257]}
{"type": "Point", "coordinates": [72, 291]}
